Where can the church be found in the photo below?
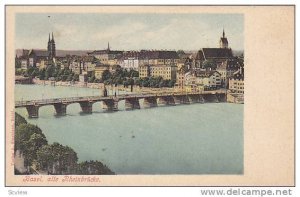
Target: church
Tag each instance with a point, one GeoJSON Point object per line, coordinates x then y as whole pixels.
{"type": "Point", "coordinates": [218, 55]}
{"type": "Point", "coordinates": [39, 58]}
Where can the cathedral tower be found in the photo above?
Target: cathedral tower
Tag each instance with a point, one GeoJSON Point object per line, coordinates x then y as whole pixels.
{"type": "Point", "coordinates": [223, 41]}
{"type": "Point", "coordinates": [51, 48]}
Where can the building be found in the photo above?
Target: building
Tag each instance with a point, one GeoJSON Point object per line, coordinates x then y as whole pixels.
{"type": "Point", "coordinates": [167, 72]}
{"type": "Point", "coordinates": [236, 82]}
{"type": "Point", "coordinates": [39, 58]}
{"type": "Point", "coordinates": [227, 69]}
{"type": "Point", "coordinates": [202, 80]}
{"type": "Point", "coordinates": [99, 69]}
{"type": "Point", "coordinates": [24, 59]}
{"type": "Point", "coordinates": [131, 60]}
{"type": "Point", "coordinates": [144, 71]}
{"type": "Point", "coordinates": [107, 56]}
{"type": "Point", "coordinates": [216, 55]}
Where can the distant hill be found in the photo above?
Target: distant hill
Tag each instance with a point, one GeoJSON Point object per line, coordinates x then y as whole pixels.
{"type": "Point", "coordinates": [61, 52]}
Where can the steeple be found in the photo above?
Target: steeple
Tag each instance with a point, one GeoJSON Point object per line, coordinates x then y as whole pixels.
{"type": "Point", "coordinates": [52, 37]}
{"type": "Point", "coordinates": [49, 38]}
{"type": "Point", "coordinates": [223, 43]}
{"type": "Point", "coordinates": [108, 46]}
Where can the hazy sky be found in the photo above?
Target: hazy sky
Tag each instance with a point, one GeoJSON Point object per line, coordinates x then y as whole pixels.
{"type": "Point", "coordinates": [129, 31]}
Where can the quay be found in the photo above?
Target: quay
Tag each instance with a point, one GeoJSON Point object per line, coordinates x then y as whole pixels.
{"type": "Point", "coordinates": [110, 103]}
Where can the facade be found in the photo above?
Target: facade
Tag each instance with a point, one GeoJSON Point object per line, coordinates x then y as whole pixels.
{"type": "Point", "coordinates": [204, 79]}
{"type": "Point", "coordinates": [131, 60]}
{"type": "Point", "coordinates": [24, 59]}
{"type": "Point", "coordinates": [144, 71]}
{"type": "Point", "coordinates": [236, 83]}
{"type": "Point", "coordinates": [227, 69]}
{"type": "Point", "coordinates": [36, 58]}
{"type": "Point", "coordinates": [167, 72]}
{"type": "Point", "coordinates": [99, 69]}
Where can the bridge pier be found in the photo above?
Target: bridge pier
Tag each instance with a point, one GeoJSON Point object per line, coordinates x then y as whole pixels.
{"type": "Point", "coordinates": [195, 98]}
{"type": "Point", "coordinates": [86, 106]}
{"type": "Point", "coordinates": [166, 100]}
{"type": "Point", "coordinates": [150, 102]}
{"type": "Point", "coordinates": [181, 99]}
{"type": "Point", "coordinates": [110, 105]}
{"type": "Point", "coordinates": [33, 111]}
{"type": "Point", "coordinates": [221, 97]}
{"type": "Point", "coordinates": [60, 109]}
{"type": "Point", "coordinates": [210, 98]}
{"type": "Point", "coordinates": [132, 103]}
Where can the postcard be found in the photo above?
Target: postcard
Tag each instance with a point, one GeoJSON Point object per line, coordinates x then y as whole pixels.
{"type": "Point", "coordinates": [150, 95]}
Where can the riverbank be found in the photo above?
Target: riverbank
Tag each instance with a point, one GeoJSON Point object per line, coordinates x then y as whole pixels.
{"type": "Point", "coordinates": [136, 89]}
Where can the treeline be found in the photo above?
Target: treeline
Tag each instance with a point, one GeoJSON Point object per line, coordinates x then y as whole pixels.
{"type": "Point", "coordinates": [131, 77]}
{"type": "Point", "coordinates": [119, 76]}
{"type": "Point", "coordinates": [52, 158]}
{"type": "Point", "coordinates": [51, 71]}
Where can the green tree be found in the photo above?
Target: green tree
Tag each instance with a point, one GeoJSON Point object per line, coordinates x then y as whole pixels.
{"type": "Point", "coordinates": [35, 142]}
{"type": "Point", "coordinates": [93, 167]}
{"type": "Point", "coordinates": [75, 77]}
{"type": "Point", "coordinates": [23, 133]}
{"type": "Point", "coordinates": [171, 83]}
{"type": "Point", "coordinates": [28, 138]}
{"type": "Point", "coordinates": [57, 159]}
{"type": "Point", "coordinates": [42, 74]}
{"type": "Point", "coordinates": [18, 71]}
{"type": "Point", "coordinates": [106, 75]}
{"type": "Point", "coordinates": [19, 120]}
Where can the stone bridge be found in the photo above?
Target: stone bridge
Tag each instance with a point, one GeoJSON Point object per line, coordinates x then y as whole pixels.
{"type": "Point", "coordinates": [110, 103]}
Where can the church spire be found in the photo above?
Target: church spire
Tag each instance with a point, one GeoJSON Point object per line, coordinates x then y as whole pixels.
{"type": "Point", "coordinates": [49, 38]}
{"type": "Point", "coordinates": [52, 37]}
{"type": "Point", "coordinates": [108, 46]}
{"type": "Point", "coordinates": [223, 33]}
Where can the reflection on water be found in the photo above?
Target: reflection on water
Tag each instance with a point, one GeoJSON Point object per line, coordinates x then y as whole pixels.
{"type": "Point", "coordinates": [184, 139]}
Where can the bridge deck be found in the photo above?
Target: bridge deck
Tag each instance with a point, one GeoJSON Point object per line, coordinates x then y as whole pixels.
{"type": "Point", "coordinates": [70, 100]}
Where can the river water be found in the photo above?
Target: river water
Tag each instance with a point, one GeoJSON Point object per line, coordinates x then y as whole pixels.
{"type": "Point", "coordinates": [184, 139]}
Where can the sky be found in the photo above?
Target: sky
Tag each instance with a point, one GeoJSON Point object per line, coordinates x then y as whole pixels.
{"type": "Point", "coordinates": [128, 31]}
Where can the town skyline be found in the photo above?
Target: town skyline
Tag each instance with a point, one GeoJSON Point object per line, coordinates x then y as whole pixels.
{"type": "Point", "coordinates": [129, 31]}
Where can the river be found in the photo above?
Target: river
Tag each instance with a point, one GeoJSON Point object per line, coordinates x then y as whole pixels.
{"type": "Point", "coordinates": [184, 139]}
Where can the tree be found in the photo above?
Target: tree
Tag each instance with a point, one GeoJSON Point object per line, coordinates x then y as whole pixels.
{"type": "Point", "coordinates": [75, 77]}
{"type": "Point", "coordinates": [28, 139]}
{"type": "Point", "coordinates": [35, 142]}
{"type": "Point", "coordinates": [23, 133]}
{"type": "Point", "coordinates": [50, 71]}
{"type": "Point", "coordinates": [180, 53]}
{"type": "Point", "coordinates": [18, 71]}
{"type": "Point", "coordinates": [42, 74]}
{"type": "Point", "coordinates": [19, 120]}
{"type": "Point", "coordinates": [106, 75]}
{"type": "Point", "coordinates": [57, 159]}
{"type": "Point", "coordinates": [171, 83]}
{"type": "Point", "coordinates": [93, 167]}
